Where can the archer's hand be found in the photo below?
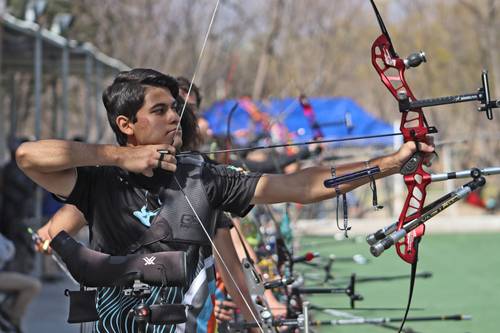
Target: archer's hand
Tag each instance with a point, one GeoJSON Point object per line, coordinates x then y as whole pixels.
{"type": "Point", "coordinates": [144, 159]}
{"type": "Point", "coordinates": [224, 310]}
{"type": "Point", "coordinates": [42, 244]}
{"type": "Point", "coordinates": [409, 148]}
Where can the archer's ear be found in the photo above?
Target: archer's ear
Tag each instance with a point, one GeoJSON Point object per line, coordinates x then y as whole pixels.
{"type": "Point", "coordinates": [125, 125]}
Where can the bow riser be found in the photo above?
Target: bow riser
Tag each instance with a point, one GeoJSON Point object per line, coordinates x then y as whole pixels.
{"type": "Point", "coordinates": [391, 69]}
{"type": "Point", "coordinates": [412, 208]}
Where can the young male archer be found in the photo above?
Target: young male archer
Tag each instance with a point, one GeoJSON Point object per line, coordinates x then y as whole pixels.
{"type": "Point", "coordinates": [108, 183]}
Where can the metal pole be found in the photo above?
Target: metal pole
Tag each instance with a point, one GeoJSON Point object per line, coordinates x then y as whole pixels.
{"type": "Point", "coordinates": [38, 113]}
{"type": "Point", "coordinates": [2, 112]}
{"type": "Point", "coordinates": [89, 64]}
{"type": "Point", "coordinates": [55, 108]}
{"type": "Point", "coordinates": [447, 165]}
{"type": "Point", "coordinates": [98, 103]}
{"type": "Point", "coordinates": [13, 105]}
{"type": "Point", "coordinates": [38, 84]}
{"type": "Point", "coordinates": [305, 312]}
{"type": "Point", "coordinates": [64, 97]}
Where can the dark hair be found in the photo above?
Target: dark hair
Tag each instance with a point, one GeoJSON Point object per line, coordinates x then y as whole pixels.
{"type": "Point", "coordinates": [184, 85]}
{"type": "Point", "coordinates": [125, 96]}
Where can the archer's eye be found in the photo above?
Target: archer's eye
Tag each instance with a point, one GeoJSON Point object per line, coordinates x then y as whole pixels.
{"type": "Point", "coordinates": [176, 107]}
{"type": "Point", "coordinates": [159, 110]}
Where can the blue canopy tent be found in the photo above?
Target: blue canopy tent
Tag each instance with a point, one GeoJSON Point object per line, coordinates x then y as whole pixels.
{"type": "Point", "coordinates": [337, 117]}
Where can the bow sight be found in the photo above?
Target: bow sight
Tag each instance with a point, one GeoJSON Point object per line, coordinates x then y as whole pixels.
{"type": "Point", "coordinates": [482, 95]}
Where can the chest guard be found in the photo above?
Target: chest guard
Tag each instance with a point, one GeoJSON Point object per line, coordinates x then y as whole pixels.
{"type": "Point", "coordinates": [176, 223]}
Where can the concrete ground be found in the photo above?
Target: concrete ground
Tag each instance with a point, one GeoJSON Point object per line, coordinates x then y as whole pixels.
{"type": "Point", "coordinates": [49, 311]}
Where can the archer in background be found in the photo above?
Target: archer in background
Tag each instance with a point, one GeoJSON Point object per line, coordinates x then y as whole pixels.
{"type": "Point", "coordinates": [19, 288]}
{"type": "Point", "coordinates": [17, 208]}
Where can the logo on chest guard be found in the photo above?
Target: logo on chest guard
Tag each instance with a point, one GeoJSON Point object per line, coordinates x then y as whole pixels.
{"type": "Point", "coordinates": [149, 260]}
{"type": "Point", "coordinates": [188, 221]}
{"type": "Point", "coordinates": [144, 215]}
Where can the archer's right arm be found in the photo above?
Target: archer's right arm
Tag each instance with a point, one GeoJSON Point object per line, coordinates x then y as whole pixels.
{"type": "Point", "coordinates": [52, 163]}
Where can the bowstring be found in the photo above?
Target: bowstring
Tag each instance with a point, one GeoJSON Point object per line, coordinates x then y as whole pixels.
{"type": "Point", "coordinates": [197, 67]}
{"type": "Point", "coordinates": [179, 185]}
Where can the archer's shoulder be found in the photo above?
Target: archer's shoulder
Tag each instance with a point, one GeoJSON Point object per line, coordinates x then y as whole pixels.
{"type": "Point", "coordinates": [209, 166]}
{"type": "Point", "coordinates": [229, 171]}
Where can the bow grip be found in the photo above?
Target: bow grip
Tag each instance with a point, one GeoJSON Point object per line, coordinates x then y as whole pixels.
{"type": "Point", "coordinates": [412, 164]}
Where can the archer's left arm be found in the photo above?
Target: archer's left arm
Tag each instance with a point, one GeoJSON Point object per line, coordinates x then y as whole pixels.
{"type": "Point", "coordinates": [306, 186]}
{"type": "Point", "coordinates": [225, 246]}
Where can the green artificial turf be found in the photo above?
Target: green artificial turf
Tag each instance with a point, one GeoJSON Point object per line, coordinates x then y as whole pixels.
{"type": "Point", "coordinates": [466, 280]}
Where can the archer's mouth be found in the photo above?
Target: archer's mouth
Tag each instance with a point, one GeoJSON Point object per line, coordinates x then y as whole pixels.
{"type": "Point", "coordinates": [175, 131]}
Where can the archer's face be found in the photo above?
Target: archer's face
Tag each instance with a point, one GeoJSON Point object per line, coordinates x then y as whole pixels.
{"type": "Point", "coordinates": [157, 119]}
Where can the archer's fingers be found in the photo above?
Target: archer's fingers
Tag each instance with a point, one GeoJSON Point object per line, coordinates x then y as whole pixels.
{"type": "Point", "coordinates": [220, 320]}
{"type": "Point", "coordinates": [428, 147]}
{"type": "Point", "coordinates": [226, 311]}
{"type": "Point", "coordinates": [430, 158]}
{"type": "Point", "coordinates": [424, 147]}
{"type": "Point", "coordinates": [224, 315]}
{"type": "Point", "coordinates": [166, 149]}
{"type": "Point", "coordinates": [223, 311]}
{"type": "Point", "coordinates": [38, 246]}
{"type": "Point", "coordinates": [227, 304]}
{"type": "Point", "coordinates": [166, 161]}
{"type": "Point", "coordinates": [43, 247]}
{"type": "Point", "coordinates": [46, 248]}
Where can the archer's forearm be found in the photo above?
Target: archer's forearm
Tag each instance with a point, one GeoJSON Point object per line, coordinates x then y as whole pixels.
{"type": "Point", "coordinates": [268, 294]}
{"type": "Point", "coordinates": [306, 186]}
{"type": "Point", "coordinates": [68, 218]}
{"type": "Point", "coordinates": [388, 166]}
{"type": "Point", "coordinates": [242, 296]}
